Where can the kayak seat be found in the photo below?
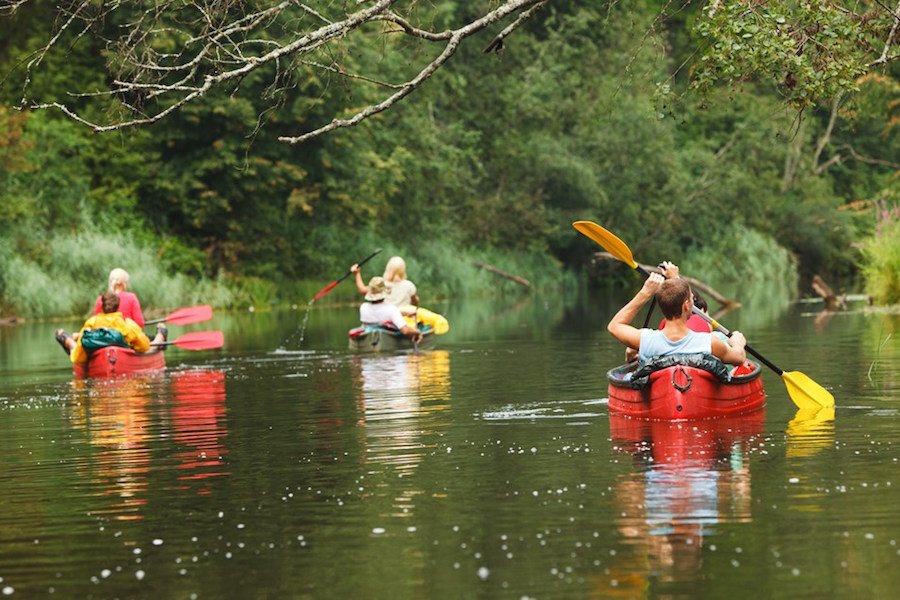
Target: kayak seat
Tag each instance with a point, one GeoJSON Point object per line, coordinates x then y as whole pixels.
{"type": "Point", "coordinates": [636, 375]}
{"type": "Point", "coordinates": [387, 327]}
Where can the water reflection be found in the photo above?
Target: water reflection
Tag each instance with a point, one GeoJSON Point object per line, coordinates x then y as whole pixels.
{"type": "Point", "coordinates": [690, 477]}
{"type": "Point", "coordinates": [115, 416]}
{"type": "Point", "coordinates": [810, 431]}
{"type": "Point", "coordinates": [399, 402]}
{"type": "Point", "coordinates": [198, 420]}
{"type": "Point", "coordinates": [124, 417]}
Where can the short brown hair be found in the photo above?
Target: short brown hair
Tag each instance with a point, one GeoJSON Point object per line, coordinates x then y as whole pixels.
{"type": "Point", "coordinates": [110, 302]}
{"type": "Point", "coordinates": [671, 296]}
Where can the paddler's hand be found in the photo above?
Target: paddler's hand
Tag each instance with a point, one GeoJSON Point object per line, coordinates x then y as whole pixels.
{"type": "Point", "coordinates": [669, 269]}
{"type": "Point", "coordinates": [354, 268]}
{"type": "Point", "coordinates": [737, 339]}
{"type": "Point", "coordinates": [651, 285]}
{"type": "Point", "coordinates": [417, 337]}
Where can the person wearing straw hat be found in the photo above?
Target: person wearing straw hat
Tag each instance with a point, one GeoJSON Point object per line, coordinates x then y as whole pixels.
{"type": "Point", "coordinates": [375, 311]}
{"type": "Point", "coordinates": [401, 292]}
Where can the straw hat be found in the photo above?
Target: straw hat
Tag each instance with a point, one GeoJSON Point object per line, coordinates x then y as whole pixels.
{"type": "Point", "coordinates": [376, 289]}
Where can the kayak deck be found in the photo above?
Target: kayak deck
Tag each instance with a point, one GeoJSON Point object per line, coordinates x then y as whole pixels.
{"type": "Point", "coordinates": [115, 360]}
{"type": "Point", "coordinates": [380, 339]}
{"type": "Point", "coordinates": [682, 392]}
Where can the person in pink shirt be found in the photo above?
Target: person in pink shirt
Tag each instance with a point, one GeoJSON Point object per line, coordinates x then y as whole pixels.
{"type": "Point", "coordinates": [129, 305]}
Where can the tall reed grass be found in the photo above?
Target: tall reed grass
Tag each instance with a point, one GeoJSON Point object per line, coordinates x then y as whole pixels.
{"type": "Point", "coordinates": [747, 266]}
{"type": "Point", "coordinates": [881, 259]}
{"type": "Point", "coordinates": [443, 271]}
{"type": "Point", "coordinates": [73, 270]}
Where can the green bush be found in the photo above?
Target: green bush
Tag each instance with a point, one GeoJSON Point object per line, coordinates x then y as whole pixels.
{"type": "Point", "coordinates": [881, 263]}
{"type": "Point", "coordinates": [66, 278]}
{"type": "Point", "coordinates": [747, 266]}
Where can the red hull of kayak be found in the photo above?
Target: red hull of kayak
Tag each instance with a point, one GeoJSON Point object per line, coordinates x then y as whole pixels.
{"type": "Point", "coordinates": [688, 393]}
{"type": "Point", "coordinates": [113, 360]}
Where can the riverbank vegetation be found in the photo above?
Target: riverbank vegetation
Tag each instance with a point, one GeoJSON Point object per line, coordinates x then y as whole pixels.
{"type": "Point", "coordinates": [586, 114]}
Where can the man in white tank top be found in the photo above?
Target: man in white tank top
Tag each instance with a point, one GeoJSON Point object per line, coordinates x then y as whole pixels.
{"type": "Point", "coordinates": [675, 301]}
{"type": "Point", "coordinates": [375, 311]}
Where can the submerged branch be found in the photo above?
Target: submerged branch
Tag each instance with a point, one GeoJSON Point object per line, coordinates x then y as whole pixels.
{"type": "Point", "coordinates": [492, 269]}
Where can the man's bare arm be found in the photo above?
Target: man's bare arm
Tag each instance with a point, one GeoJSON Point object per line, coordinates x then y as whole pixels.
{"type": "Point", "coordinates": [620, 326]}
{"type": "Point", "coordinates": [731, 352]}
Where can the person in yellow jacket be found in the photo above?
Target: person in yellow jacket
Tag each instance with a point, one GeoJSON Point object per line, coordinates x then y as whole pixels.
{"type": "Point", "coordinates": [110, 319]}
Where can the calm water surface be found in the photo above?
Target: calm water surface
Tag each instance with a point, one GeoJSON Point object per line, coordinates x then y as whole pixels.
{"type": "Point", "coordinates": [489, 467]}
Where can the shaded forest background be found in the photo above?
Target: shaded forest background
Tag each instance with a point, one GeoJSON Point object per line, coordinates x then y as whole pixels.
{"type": "Point", "coordinates": [586, 114]}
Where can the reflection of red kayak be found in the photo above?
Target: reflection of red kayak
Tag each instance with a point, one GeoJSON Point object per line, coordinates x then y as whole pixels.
{"type": "Point", "coordinates": [682, 392]}
{"type": "Point", "coordinates": [198, 419]}
{"type": "Point", "coordinates": [684, 443]}
{"type": "Point", "coordinates": [113, 360]}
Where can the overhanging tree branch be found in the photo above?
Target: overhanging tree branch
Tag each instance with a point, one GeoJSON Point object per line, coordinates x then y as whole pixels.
{"type": "Point", "coordinates": [165, 54]}
{"type": "Point", "coordinates": [220, 43]}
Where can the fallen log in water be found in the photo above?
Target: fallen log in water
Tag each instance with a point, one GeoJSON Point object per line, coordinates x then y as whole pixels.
{"type": "Point", "coordinates": [826, 293]}
{"type": "Point", "coordinates": [520, 280]}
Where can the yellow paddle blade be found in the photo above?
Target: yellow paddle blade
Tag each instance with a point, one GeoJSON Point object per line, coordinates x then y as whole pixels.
{"type": "Point", "coordinates": [609, 241]}
{"type": "Point", "coordinates": [805, 392]}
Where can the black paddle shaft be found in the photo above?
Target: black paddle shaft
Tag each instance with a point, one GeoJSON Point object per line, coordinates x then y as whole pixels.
{"type": "Point", "coordinates": [717, 325]}
{"type": "Point", "coordinates": [359, 264]}
{"type": "Point", "coordinates": [747, 347]}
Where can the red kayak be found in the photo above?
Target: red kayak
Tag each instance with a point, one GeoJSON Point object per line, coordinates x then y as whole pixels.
{"type": "Point", "coordinates": [114, 360]}
{"type": "Point", "coordinates": [683, 392]}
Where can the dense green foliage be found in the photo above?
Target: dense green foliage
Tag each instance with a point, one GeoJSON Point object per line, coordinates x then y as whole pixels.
{"type": "Point", "coordinates": [490, 161]}
{"type": "Point", "coordinates": [881, 265]}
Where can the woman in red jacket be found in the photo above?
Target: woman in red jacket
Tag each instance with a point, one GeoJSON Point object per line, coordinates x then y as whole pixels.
{"type": "Point", "coordinates": [129, 305]}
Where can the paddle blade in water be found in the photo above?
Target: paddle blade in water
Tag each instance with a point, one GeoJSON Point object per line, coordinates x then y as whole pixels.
{"type": "Point", "coordinates": [805, 392]}
{"type": "Point", "coordinates": [608, 240]}
{"type": "Point", "coordinates": [190, 314]}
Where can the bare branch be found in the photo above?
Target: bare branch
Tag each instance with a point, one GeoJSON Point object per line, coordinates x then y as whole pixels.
{"type": "Point", "coordinates": [167, 54]}
{"type": "Point", "coordinates": [496, 44]}
{"type": "Point", "coordinates": [456, 37]}
{"type": "Point", "coordinates": [8, 7]}
{"type": "Point", "coordinates": [885, 57]}
{"type": "Point", "coordinates": [826, 137]}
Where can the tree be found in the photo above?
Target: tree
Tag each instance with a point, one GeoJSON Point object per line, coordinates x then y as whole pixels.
{"type": "Point", "coordinates": [170, 55]}
{"type": "Point", "coordinates": [163, 56]}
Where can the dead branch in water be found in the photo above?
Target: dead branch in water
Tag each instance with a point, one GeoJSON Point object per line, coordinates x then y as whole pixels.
{"type": "Point", "coordinates": [520, 280]}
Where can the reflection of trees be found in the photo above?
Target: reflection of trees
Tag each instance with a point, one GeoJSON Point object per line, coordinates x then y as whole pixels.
{"type": "Point", "coordinates": [400, 397]}
{"type": "Point", "coordinates": [504, 318]}
{"type": "Point", "coordinates": [691, 476]}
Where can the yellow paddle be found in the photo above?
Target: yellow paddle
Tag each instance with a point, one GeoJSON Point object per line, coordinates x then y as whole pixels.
{"type": "Point", "coordinates": [804, 392]}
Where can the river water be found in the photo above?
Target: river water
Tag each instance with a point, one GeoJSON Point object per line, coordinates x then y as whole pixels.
{"type": "Point", "coordinates": [488, 467]}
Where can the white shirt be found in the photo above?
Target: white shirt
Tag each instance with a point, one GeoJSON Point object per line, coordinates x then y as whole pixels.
{"type": "Point", "coordinates": [376, 313]}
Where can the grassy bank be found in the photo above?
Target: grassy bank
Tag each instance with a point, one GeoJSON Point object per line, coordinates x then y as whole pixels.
{"type": "Point", "coordinates": [71, 270]}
